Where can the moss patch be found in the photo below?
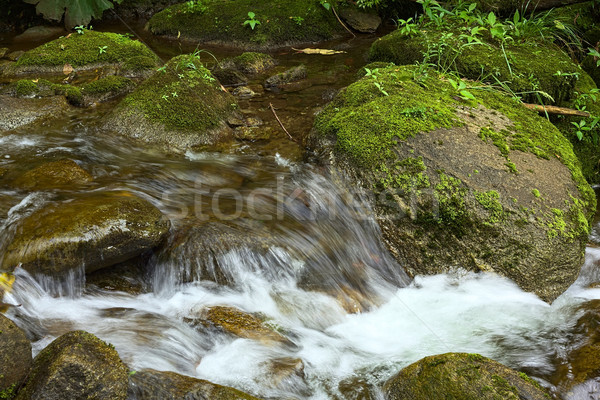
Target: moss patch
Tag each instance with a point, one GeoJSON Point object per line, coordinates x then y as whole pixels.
{"type": "Point", "coordinates": [84, 49]}
{"type": "Point", "coordinates": [223, 21]}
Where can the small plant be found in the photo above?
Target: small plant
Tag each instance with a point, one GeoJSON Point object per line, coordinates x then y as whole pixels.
{"type": "Point", "coordinates": [325, 4]}
{"type": "Point", "coordinates": [162, 69]}
{"type": "Point", "coordinates": [102, 49]}
{"type": "Point", "coordinates": [297, 20]}
{"type": "Point", "coordinates": [80, 29]}
{"type": "Point", "coordinates": [583, 127]}
{"type": "Point", "coordinates": [407, 27]}
{"type": "Point", "coordinates": [374, 74]}
{"type": "Point", "coordinates": [252, 21]}
{"type": "Point", "coordinates": [461, 88]}
{"type": "Point", "coordinates": [194, 7]}
{"type": "Point", "coordinates": [596, 54]}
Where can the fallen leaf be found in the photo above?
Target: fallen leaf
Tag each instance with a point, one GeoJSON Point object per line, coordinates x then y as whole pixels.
{"type": "Point", "coordinates": [323, 52]}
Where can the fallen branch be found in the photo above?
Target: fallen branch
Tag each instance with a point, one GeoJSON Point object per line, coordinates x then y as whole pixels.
{"type": "Point", "coordinates": [323, 52]}
{"type": "Point", "coordinates": [340, 21]}
{"type": "Point", "coordinates": [281, 124]}
{"type": "Point", "coordinates": [556, 110]}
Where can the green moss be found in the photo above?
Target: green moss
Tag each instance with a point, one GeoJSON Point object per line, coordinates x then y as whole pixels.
{"type": "Point", "coordinates": [253, 63]}
{"type": "Point", "coordinates": [182, 95]}
{"type": "Point", "coordinates": [450, 194]}
{"type": "Point", "coordinates": [9, 392]}
{"type": "Point", "coordinates": [25, 88]}
{"type": "Point", "coordinates": [536, 192]}
{"type": "Point", "coordinates": [72, 93]}
{"type": "Point", "coordinates": [81, 50]}
{"type": "Point", "coordinates": [490, 201]}
{"type": "Point", "coordinates": [406, 175]}
{"type": "Point", "coordinates": [139, 63]}
{"type": "Point", "coordinates": [106, 85]}
{"type": "Point", "coordinates": [223, 21]}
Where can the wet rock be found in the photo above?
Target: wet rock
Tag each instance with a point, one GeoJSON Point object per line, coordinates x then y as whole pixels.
{"type": "Point", "coordinates": [15, 357]}
{"type": "Point", "coordinates": [56, 174]}
{"type": "Point", "coordinates": [238, 323]}
{"type": "Point", "coordinates": [235, 71]}
{"type": "Point", "coordinates": [149, 384]}
{"type": "Point", "coordinates": [106, 89]}
{"type": "Point", "coordinates": [223, 23]}
{"type": "Point", "coordinates": [356, 389]}
{"type": "Point", "coordinates": [182, 107]}
{"type": "Point", "coordinates": [94, 231]}
{"type": "Point", "coordinates": [79, 52]}
{"type": "Point", "coordinates": [461, 376]}
{"type": "Point", "coordinates": [76, 366]}
{"type": "Point", "coordinates": [284, 372]}
{"type": "Point", "coordinates": [359, 20]}
{"type": "Point", "coordinates": [291, 75]}
{"type": "Point", "coordinates": [15, 55]}
{"type": "Point", "coordinates": [244, 92]}
{"type": "Point", "coordinates": [15, 113]}
{"type": "Point", "coordinates": [127, 277]}
{"type": "Point", "coordinates": [489, 187]}
{"type": "Point", "coordinates": [197, 252]}
{"type": "Point", "coordinates": [40, 33]}
{"type": "Point", "coordinates": [252, 134]}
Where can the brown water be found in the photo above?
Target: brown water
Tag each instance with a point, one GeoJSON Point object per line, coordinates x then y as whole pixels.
{"type": "Point", "coordinates": [324, 261]}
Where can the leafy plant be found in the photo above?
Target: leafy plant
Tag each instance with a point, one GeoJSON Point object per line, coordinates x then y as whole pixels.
{"type": "Point", "coordinates": [252, 21]}
{"type": "Point", "coordinates": [326, 4]}
{"type": "Point", "coordinates": [407, 27]}
{"type": "Point", "coordinates": [75, 12]}
{"type": "Point", "coordinates": [80, 29]}
{"type": "Point", "coordinates": [374, 74]}
{"type": "Point", "coordinates": [596, 54]}
{"type": "Point", "coordinates": [297, 20]}
{"type": "Point", "coordinates": [583, 127]}
{"type": "Point", "coordinates": [102, 49]}
{"type": "Point", "coordinates": [193, 6]}
{"type": "Point", "coordinates": [461, 88]}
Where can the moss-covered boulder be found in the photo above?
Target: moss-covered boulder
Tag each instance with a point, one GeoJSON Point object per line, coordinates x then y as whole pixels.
{"type": "Point", "coordinates": [527, 68]}
{"type": "Point", "coordinates": [94, 232]}
{"type": "Point", "coordinates": [149, 384]}
{"type": "Point", "coordinates": [106, 89]}
{"type": "Point", "coordinates": [485, 185]}
{"type": "Point", "coordinates": [15, 357]}
{"type": "Point", "coordinates": [17, 112]}
{"type": "Point", "coordinates": [461, 376]}
{"type": "Point", "coordinates": [181, 107]}
{"type": "Point", "coordinates": [282, 23]}
{"type": "Point", "coordinates": [55, 174]}
{"type": "Point", "coordinates": [236, 70]}
{"type": "Point", "coordinates": [238, 323]}
{"type": "Point", "coordinates": [88, 50]}
{"type": "Point", "coordinates": [76, 366]}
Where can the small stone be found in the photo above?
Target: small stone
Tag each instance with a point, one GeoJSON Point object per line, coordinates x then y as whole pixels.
{"type": "Point", "coordinates": [251, 134]}
{"type": "Point", "coordinates": [244, 92]}
{"type": "Point", "coordinates": [3, 51]}
{"type": "Point", "coordinates": [291, 75]}
{"type": "Point", "coordinates": [253, 121]}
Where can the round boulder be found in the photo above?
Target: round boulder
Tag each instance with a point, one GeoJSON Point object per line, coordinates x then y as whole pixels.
{"type": "Point", "coordinates": [95, 232]}
{"type": "Point", "coordinates": [461, 376]}
{"type": "Point", "coordinates": [482, 184]}
{"type": "Point", "coordinates": [76, 366]}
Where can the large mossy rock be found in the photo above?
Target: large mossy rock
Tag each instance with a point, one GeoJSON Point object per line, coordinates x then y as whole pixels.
{"type": "Point", "coordinates": [81, 52]}
{"type": "Point", "coordinates": [76, 366]}
{"type": "Point", "coordinates": [282, 23]}
{"type": "Point", "coordinates": [15, 357]}
{"type": "Point", "coordinates": [157, 385]}
{"type": "Point", "coordinates": [533, 66]}
{"type": "Point", "coordinates": [180, 107]}
{"type": "Point", "coordinates": [93, 231]}
{"type": "Point", "coordinates": [485, 185]}
{"type": "Point", "coordinates": [461, 376]}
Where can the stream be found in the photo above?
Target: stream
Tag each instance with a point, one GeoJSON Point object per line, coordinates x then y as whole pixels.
{"type": "Point", "coordinates": [325, 281]}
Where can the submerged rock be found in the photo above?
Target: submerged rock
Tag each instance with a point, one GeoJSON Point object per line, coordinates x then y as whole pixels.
{"type": "Point", "coordinates": [485, 185]}
{"type": "Point", "coordinates": [76, 366]}
{"type": "Point", "coordinates": [235, 71]}
{"type": "Point", "coordinates": [282, 23]}
{"type": "Point", "coordinates": [149, 384]}
{"type": "Point", "coordinates": [15, 357]}
{"type": "Point", "coordinates": [80, 52]}
{"type": "Point", "coordinates": [238, 323]}
{"type": "Point", "coordinates": [55, 174]}
{"type": "Point", "coordinates": [534, 67]}
{"type": "Point", "coordinates": [283, 78]}
{"type": "Point", "coordinates": [15, 113]}
{"type": "Point", "coordinates": [39, 33]}
{"type": "Point", "coordinates": [461, 376]}
{"type": "Point", "coordinates": [94, 232]}
{"type": "Point", "coordinates": [181, 107]}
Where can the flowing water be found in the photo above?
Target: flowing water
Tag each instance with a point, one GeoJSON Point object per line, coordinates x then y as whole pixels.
{"type": "Point", "coordinates": [324, 280]}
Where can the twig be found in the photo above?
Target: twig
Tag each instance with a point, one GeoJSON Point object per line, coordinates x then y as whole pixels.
{"type": "Point", "coordinates": [340, 21]}
{"type": "Point", "coordinates": [556, 110]}
{"type": "Point", "coordinates": [280, 124]}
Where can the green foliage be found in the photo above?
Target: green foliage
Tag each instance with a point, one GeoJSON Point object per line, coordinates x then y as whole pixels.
{"type": "Point", "coordinates": [374, 75]}
{"type": "Point", "coordinates": [76, 12]}
{"type": "Point", "coordinates": [326, 4]}
{"type": "Point", "coordinates": [252, 21]}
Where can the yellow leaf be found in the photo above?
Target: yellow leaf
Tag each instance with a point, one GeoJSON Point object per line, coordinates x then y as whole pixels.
{"type": "Point", "coordinates": [6, 282]}
{"type": "Point", "coordinates": [323, 52]}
